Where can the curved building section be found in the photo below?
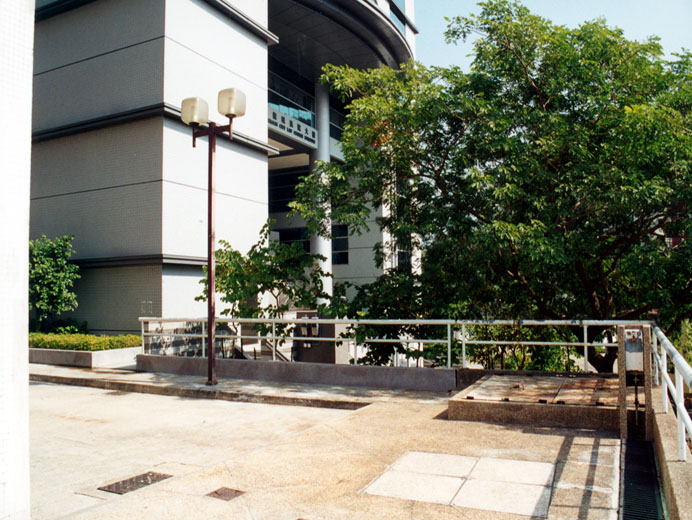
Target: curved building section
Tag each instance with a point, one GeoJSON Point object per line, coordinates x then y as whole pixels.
{"type": "Point", "coordinates": [305, 122]}
{"type": "Point", "coordinates": [360, 33]}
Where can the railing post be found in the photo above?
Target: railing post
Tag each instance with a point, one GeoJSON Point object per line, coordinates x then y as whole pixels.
{"type": "Point", "coordinates": [656, 358]}
{"type": "Point", "coordinates": [664, 370]}
{"type": "Point", "coordinates": [622, 382]}
{"type": "Point", "coordinates": [142, 327]}
{"type": "Point", "coordinates": [680, 407]}
{"type": "Point", "coordinates": [586, 349]}
{"type": "Point", "coordinates": [273, 341]}
{"type": "Point", "coordinates": [449, 345]}
{"type": "Point", "coordinates": [204, 343]}
{"type": "Point", "coordinates": [463, 346]}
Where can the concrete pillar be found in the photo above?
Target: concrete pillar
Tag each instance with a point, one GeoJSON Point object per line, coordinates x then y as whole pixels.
{"type": "Point", "coordinates": [320, 245]}
{"type": "Point", "coordinates": [16, 63]}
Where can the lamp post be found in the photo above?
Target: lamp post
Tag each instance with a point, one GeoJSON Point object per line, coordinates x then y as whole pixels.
{"type": "Point", "coordinates": [195, 112]}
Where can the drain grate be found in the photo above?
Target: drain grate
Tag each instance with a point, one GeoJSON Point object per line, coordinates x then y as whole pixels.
{"type": "Point", "coordinates": [134, 483]}
{"type": "Point", "coordinates": [225, 493]}
{"type": "Point", "coordinates": [642, 498]}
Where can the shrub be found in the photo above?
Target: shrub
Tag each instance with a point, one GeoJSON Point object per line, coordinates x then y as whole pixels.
{"type": "Point", "coordinates": [87, 342]}
{"type": "Point", "coordinates": [51, 278]}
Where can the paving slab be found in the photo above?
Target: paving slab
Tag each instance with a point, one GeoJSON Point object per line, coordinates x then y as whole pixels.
{"type": "Point", "coordinates": [517, 471]}
{"type": "Point", "coordinates": [436, 463]}
{"type": "Point", "coordinates": [411, 485]}
{"type": "Point", "coordinates": [505, 497]}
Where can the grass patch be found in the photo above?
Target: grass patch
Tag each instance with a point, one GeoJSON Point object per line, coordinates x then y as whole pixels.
{"type": "Point", "coordinates": [88, 342]}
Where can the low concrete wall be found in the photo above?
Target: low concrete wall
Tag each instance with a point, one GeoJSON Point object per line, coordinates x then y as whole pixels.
{"type": "Point", "coordinates": [676, 476]}
{"type": "Point", "coordinates": [83, 359]}
{"type": "Point", "coordinates": [439, 379]}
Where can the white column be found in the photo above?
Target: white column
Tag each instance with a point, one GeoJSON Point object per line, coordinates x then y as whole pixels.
{"type": "Point", "coordinates": [16, 63]}
{"type": "Point", "coordinates": [320, 245]}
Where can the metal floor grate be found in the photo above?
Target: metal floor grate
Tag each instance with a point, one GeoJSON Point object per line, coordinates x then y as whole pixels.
{"type": "Point", "coordinates": [133, 483]}
{"type": "Point", "coordinates": [642, 497]}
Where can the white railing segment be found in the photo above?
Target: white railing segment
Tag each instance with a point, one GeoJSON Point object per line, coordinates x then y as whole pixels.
{"type": "Point", "coordinates": [683, 375]}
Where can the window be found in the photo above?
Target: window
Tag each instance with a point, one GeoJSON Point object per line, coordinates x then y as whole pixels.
{"type": "Point", "coordinates": [291, 100]}
{"type": "Point", "coordinates": [282, 188]}
{"type": "Point", "coordinates": [293, 235]}
{"type": "Point", "coordinates": [403, 260]}
{"type": "Point", "coordinates": [339, 245]}
{"type": "Point", "coordinates": [396, 13]}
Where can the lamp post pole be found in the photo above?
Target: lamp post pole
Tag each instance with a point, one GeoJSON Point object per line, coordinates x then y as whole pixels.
{"type": "Point", "coordinates": [211, 131]}
{"type": "Point", "coordinates": [211, 261]}
{"type": "Point", "coordinates": [194, 112]}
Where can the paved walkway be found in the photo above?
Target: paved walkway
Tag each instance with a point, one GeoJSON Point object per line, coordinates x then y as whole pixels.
{"type": "Point", "coordinates": [245, 390]}
{"type": "Point", "coordinates": [395, 458]}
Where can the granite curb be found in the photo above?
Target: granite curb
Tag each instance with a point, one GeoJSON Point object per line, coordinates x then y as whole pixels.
{"type": "Point", "coordinates": [198, 393]}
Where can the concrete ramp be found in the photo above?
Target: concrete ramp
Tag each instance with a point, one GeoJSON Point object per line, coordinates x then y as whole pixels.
{"type": "Point", "coordinates": [576, 402]}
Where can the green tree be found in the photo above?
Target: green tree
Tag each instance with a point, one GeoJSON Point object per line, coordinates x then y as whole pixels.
{"type": "Point", "coordinates": [545, 183]}
{"type": "Point", "coordinates": [267, 281]}
{"type": "Point", "coordinates": [51, 278]}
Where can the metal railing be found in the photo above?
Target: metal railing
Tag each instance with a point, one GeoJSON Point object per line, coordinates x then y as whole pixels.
{"type": "Point", "coordinates": [683, 375]}
{"type": "Point", "coordinates": [458, 332]}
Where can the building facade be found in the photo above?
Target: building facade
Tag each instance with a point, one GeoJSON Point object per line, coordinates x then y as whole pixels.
{"type": "Point", "coordinates": [113, 165]}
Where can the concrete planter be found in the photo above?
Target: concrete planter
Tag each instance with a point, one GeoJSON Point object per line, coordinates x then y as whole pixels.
{"type": "Point", "coordinates": [79, 358]}
{"type": "Point", "coordinates": [438, 379]}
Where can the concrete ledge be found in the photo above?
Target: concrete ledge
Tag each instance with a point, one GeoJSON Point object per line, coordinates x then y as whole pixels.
{"type": "Point", "coordinates": [439, 379]}
{"type": "Point", "coordinates": [197, 393]}
{"type": "Point", "coordinates": [536, 414]}
{"type": "Point", "coordinates": [676, 476]}
{"type": "Point", "coordinates": [85, 359]}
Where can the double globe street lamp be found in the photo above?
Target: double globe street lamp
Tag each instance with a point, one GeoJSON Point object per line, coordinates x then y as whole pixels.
{"type": "Point", "coordinates": [195, 112]}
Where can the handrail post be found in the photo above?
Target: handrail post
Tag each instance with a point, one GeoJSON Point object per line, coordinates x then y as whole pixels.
{"type": "Point", "coordinates": [204, 343]}
{"type": "Point", "coordinates": [664, 370]}
{"type": "Point", "coordinates": [463, 346]}
{"type": "Point", "coordinates": [586, 349]}
{"type": "Point", "coordinates": [680, 409]}
{"type": "Point", "coordinates": [656, 359]}
{"type": "Point", "coordinates": [273, 341]}
{"type": "Point", "coordinates": [449, 345]}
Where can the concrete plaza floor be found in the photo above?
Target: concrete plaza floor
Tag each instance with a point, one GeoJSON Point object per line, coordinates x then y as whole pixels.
{"type": "Point", "coordinates": [395, 458]}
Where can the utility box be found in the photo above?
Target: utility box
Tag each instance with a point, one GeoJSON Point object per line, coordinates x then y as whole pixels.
{"type": "Point", "coordinates": [634, 350]}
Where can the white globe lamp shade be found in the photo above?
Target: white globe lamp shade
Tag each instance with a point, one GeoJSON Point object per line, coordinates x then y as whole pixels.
{"type": "Point", "coordinates": [194, 111]}
{"type": "Point", "coordinates": [232, 102]}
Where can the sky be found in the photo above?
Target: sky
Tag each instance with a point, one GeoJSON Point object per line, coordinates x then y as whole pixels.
{"type": "Point", "coordinates": [671, 20]}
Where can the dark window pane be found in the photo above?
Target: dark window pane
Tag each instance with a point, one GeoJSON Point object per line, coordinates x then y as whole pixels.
{"type": "Point", "coordinates": [340, 258]}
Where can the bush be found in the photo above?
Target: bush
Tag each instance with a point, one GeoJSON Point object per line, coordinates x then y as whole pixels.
{"type": "Point", "coordinates": [51, 278]}
{"type": "Point", "coordinates": [87, 342]}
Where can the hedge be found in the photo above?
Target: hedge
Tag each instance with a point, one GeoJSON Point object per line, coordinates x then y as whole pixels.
{"type": "Point", "coordinates": [82, 341]}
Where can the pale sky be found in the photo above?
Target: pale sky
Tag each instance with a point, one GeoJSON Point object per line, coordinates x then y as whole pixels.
{"type": "Point", "coordinates": [671, 20]}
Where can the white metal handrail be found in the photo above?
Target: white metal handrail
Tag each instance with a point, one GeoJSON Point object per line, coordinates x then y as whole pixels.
{"type": "Point", "coordinates": [683, 373]}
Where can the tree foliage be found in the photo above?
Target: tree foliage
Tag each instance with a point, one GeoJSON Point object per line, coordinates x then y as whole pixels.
{"type": "Point", "coordinates": [551, 181]}
{"type": "Point", "coordinates": [269, 280]}
{"type": "Point", "coordinates": [51, 278]}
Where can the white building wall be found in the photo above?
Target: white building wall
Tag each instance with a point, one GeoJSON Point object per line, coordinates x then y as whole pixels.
{"type": "Point", "coordinates": [207, 52]}
{"type": "Point", "coordinates": [111, 299]}
{"type": "Point", "coordinates": [255, 9]}
{"type": "Point", "coordinates": [16, 44]}
{"type": "Point", "coordinates": [94, 29]}
{"type": "Point", "coordinates": [112, 83]}
{"type": "Point", "coordinates": [179, 287]}
{"type": "Point", "coordinates": [103, 187]}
